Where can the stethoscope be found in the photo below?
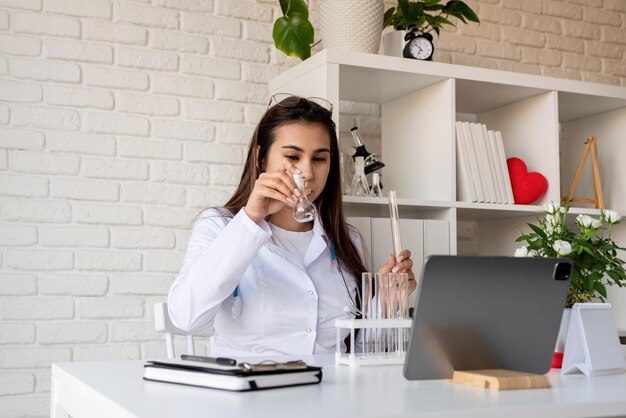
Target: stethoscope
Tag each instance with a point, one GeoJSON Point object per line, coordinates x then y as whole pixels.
{"type": "Point", "coordinates": [355, 310]}
{"type": "Point", "coordinates": [237, 305]}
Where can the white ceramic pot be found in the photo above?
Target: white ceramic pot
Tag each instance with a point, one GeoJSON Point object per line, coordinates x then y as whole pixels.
{"type": "Point", "coordinates": [562, 338]}
{"type": "Point", "coordinates": [617, 299]}
{"type": "Point", "coordinates": [351, 25]}
{"type": "Point", "coordinates": [393, 43]}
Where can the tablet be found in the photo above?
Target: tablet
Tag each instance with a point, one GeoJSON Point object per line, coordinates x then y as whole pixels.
{"type": "Point", "coordinates": [486, 313]}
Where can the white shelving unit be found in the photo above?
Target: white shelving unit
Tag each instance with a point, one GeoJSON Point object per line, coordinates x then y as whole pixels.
{"type": "Point", "coordinates": [543, 120]}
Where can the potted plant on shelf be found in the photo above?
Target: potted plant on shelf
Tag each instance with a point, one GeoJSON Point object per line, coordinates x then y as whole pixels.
{"type": "Point", "coordinates": [594, 253]}
{"type": "Point", "coordinates": [293, 33]}
{"type": "Point", "coordinates": [414, 21]}
{"type": "Point", "coordinates": [351, 25]}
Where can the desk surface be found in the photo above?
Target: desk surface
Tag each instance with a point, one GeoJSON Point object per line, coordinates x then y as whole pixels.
{"type": "Point", "coordinates": [106, 389]}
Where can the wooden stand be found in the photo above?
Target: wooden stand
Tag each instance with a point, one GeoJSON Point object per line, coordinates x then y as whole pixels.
{"type": "Point", "coordinates": [500, 379]}
{"type": "Point", "coordinates": [590, 145]}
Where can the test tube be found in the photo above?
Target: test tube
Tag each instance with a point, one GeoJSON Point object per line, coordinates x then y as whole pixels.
{"type": "Point", "coordinates": [366, 309]}
{"type": "Point", "coordinates": [404, 296]}
{"type": "Point", "coordinates": [394, 218]}
{"type": "Point", "coordinates": [392, 279]}
{"type": "Point", "coordinates": [366, 294]}
{"type": "Point", "coordinates": [403, 310]}
{"type": "Point", "coordinates": [376, 311]}
{"type": "Point", "coordinates": [384, 310]}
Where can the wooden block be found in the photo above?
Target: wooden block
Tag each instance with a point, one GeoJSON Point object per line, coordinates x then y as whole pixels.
{"type": "Point", "coordinates": [500, 379]}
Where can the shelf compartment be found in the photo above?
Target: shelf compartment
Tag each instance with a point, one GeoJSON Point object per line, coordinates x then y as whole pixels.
{"type": "Point", "coordinates": [610, 131]}
{"type": "Point", "coordinates": [418, 143]}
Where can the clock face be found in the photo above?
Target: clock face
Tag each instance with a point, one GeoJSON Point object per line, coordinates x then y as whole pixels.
{"type": "Point", "coordinates": [421, 48]}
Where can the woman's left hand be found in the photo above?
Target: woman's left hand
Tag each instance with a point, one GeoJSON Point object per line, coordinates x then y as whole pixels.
{"type": "Point", "coordinates": [403, 264]}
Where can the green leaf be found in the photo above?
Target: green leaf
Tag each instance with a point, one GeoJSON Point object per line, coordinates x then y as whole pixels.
{"type": "Point", "coordinates": [294, 35]}
{"type": "Point", "coordinates": [617, 274]}
{"type": "Point", "coordinates": [389, 17]}
{"type": "Point", "coordinates": [462, 8]}
{"type": "Point", "coordinates": [614, 275]}
{"type": "Point", "coordinates": [404, 8]}
{"type": "Point", "coordinates": [294, 6]}
{"type": "Point", "coordinates": [284, 6]}
{"type": "Point", "coordinates": [538, 231]}
{"type": "Point", "coordinates": [430, 20]}
{"type": "Point", "coordinates": [587, 250]}
{"type": "Point", "coordinates": [415, 11]}
{"type": "Point", "coordinates": [433, 7]}
{"type": "Point", "coordinates": [607, 246]}
{"type": "Point", "coordinates": [440, 20]}
{"type": "Point", "coordinates": [458, 16]}
{"type": "Point", "coordinates": [600, 288]}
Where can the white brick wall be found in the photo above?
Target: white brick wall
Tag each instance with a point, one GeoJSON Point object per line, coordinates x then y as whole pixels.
{"type": "Point", "coordinates": [17, 284]}
{"type": "Point", "coordinates": [44, 70]}
{"type": "Point", "coordinates": [71, 284]}
{"type": "Point", "coordinates": [122, 120]}
{"type": "Point", "coordinates": [78, 97]}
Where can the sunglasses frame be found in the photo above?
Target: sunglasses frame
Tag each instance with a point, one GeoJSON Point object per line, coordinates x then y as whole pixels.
{"type": "Point", "coordinates": [279, 98]}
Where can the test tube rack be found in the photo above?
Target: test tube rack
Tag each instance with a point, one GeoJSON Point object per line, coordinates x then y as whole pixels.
{"type": "Point", "coordinates": [354, 359]}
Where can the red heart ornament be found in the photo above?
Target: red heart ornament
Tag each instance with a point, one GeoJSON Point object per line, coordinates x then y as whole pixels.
{"type": "Point", "coordinates": [527, 187]}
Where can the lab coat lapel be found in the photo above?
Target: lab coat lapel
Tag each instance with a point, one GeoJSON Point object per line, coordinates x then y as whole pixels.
{"type": "Point", "coordinates": [318, 243]}
{"type": "Point", "coordinates": [292, 259]}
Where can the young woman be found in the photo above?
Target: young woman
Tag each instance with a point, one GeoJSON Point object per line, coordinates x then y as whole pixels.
{"type": "Point", "coordinates": [268, 284]}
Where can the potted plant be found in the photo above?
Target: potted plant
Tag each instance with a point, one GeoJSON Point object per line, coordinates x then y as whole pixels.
{"type": "Point", "coordinates": [293, 33]}
{"type": "Point", "coordinates": [594, 253]}
{"type": "Point", "coordinates": [413, 18]}
{"type": "Point", "coordinates": [351, 25]}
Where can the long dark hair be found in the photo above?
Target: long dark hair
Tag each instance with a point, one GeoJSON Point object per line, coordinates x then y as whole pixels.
{"type": "Point", "coordinates": [329, 204]}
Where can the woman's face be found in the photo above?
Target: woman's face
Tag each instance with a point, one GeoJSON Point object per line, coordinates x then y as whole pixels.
{"type": "Point", "coordinates": [307, 146]}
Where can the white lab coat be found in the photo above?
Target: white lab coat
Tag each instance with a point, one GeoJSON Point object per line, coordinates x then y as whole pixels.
{"type": "Point", "coordinates": [289, 305]}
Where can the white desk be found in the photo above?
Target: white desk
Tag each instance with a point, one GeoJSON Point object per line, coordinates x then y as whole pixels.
{"type": "Point", "coordinates": [116, 389]}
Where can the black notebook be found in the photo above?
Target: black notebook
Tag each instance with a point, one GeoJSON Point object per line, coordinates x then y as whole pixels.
{"type": "Point", "coordinates": [235, 378]}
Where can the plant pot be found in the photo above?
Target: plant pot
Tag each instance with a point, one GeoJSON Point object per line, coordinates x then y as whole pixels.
{"type": "Point", "coordinates": [561, 339]}
{"type": "Point", "coordinates": [393, 43]}
{"type": "Point", "coordinates": [351, 25]}
{"type": "Point", "coordinates": [617, 299]}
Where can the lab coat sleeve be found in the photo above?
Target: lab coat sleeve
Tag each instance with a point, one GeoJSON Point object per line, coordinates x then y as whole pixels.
{"type": "Point", "coordinates": [218, 254]}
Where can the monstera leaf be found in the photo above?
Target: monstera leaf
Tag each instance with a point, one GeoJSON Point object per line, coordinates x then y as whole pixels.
{"type": "Point", "coordinates": [293, 33]}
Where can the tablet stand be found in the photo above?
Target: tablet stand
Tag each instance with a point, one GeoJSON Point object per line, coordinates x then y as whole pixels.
{"type": "Point", "coordinates": [501, 379]}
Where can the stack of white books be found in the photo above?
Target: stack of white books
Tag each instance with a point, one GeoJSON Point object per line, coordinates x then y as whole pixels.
{"type": "Point", "coordinates": [482, 173]}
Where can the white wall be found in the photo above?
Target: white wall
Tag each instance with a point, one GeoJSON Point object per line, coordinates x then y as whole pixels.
{"type": "Point", "coordinates": [120, 120]}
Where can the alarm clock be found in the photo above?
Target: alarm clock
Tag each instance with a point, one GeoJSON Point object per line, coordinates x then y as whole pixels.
{"type": "Point", "coordinates": [419, 47]}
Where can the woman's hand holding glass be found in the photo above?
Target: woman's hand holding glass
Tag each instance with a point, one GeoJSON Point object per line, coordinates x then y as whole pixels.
{"type": "Point", "coordinates": [273, 190]}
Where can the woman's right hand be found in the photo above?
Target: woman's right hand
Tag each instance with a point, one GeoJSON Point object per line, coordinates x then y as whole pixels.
{"type": "Point", "coordinates": [273, 190]}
